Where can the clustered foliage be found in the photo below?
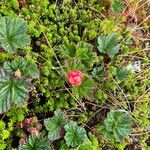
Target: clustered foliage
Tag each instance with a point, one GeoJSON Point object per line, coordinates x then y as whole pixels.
{"type": "Point", "coordinates": [56, 126]}
{"type": "Point", "coordinates": [74, 135]}
{"type": "Point", "coordinates": [14, 75]}
{"type": "Point", "coordinates": [73, 74]}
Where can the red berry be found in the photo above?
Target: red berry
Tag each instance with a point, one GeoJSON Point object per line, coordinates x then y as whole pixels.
{"type": "Point", "coordinates": [75, 77]}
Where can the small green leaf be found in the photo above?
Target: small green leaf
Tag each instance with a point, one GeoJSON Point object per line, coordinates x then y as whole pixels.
{"type": "Point", "coordinates": [122, 74]}
{"type": "Point", "coordinates": [108, 44]}
{"type": "Point", "coordinates": [68, 49]}
{"type": "Point", "coordinates": [5, 134]}
{"type": "Point", "coordinates": [85, 54]}
{"type": "Point", "coordinates": [13, 34]}
{"type": "Point", "coordinates": [12, 90]}
{"type": "Point", "coordinates": [66, 2]}
{"type": "Point", "coordinates": [26, 68]}
{"type": "Point", "coordinates": [98, 73]}
{"type": "Point", "coordinates": [55, 125]}
{"type": "Point", "coordinates": [101, 96]}
{"type": "Point", "coordinates": [75, 135]}
{"type": "Point", "coordinates": [85, 90]}
{"type": "Point", "coordinates": [117, 6]}
{"type": "Point", "coordinates": [86, 145]}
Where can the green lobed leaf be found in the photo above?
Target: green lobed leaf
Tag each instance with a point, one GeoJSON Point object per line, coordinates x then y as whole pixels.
{"type": "Point", "coordinates": [26, 68]}
{"type": "Point", "coordinates": [85, 54]}
{"type": "Point", "coordinates": [55, 125]}
{"type": "Point", "coordinates": [81, 52]}
{"type": "Point", "coordinates": [108, 44]}
{"type": "Point", "coordinates": [75, 135]}
{"type": "Point", "coordinates": [35, 143]}
{"type": "Point", "coordinates": [117, 125]}
{"type": "Point", "coordinates": [68, 49]}
{"type": "Point", "coordinates": [122, 73]}
{"type": "Point", "coordinates": [85, 90]}
{"type": "Point", "coordinates": [12, 90]}
{"type": "Point", "coordinates": [13, 34]}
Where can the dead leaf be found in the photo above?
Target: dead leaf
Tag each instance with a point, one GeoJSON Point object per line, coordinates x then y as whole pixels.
{"type": "Point", "coordinates": [17, 73]}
